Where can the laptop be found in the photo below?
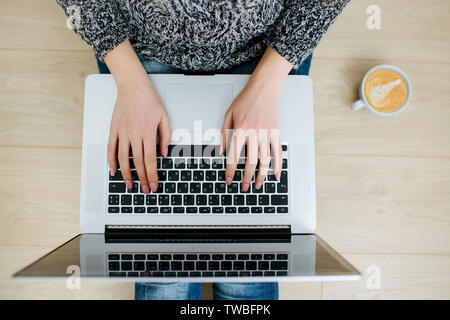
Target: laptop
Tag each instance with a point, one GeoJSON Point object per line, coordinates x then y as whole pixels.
{"type": "Point", "coordinates": [195, 228]}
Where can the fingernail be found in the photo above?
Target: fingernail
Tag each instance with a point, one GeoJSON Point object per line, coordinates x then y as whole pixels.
{"type": "Point", "coordinates": [228, 180]}
{"type": "Point", "coordinates": [258, 185]}
{"type": "Point", "coordinates": [165, 152]}
{"type": "Point", "coordinates": [112, 172]}
{"type": "Point", "coordinates": [277, 175]}
{"type": "Point", "coordinates": [245, 187]}
{"type": "Point", "coordinates": [145, 188]}
{"type": "Point", "coordinates": [220, 150]}
{"type": "Point", "coordinates": [129, 184]}
{"type": "Point", "coordinates": [153, 186]}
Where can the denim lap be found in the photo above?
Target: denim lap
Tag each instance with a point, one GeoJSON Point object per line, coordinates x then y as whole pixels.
{"type": "Point", "coordinates": [246, 291]}
{"type": "Point", "coordinates": [167, 291]}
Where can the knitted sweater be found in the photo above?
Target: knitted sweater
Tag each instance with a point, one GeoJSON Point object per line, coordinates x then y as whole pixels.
{"type": "Point", "coordinates": [204, 35]}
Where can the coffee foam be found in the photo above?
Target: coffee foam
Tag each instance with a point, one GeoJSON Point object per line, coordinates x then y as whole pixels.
{"type": "Point", "coordinates": [385, 91]}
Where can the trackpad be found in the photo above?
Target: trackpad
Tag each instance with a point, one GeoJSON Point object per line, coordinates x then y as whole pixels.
{"type": "Point", "coordinates": [197, 109]}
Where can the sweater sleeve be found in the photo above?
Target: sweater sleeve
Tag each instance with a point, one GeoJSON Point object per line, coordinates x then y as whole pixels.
{"type": "Point", "coordinates": [100, 23]}
{"type": "Point", "coordinates": [300, 26]}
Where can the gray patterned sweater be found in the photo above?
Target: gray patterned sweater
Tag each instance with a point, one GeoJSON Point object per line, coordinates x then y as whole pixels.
{"type": "Point", "coordinates": [204, 35]}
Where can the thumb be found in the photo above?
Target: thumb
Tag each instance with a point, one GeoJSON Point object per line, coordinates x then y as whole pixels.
{"type": "Point", "coordinates": [164, 135]}
{"type": "Point", "coordinates": [227, 125]}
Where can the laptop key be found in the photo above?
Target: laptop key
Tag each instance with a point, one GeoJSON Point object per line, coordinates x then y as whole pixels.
{"type": "Point", "coordinates": [113, 257]}
{"type": "Point", "coordinates": [244, 274]}
{"type": "Point", "coordinates": [173, 175]}
{"type": "Point", "coordinates": [269, 187]}
{"type": "Point", "coordinates": [285, 163]}
{"type": "Point", "coordinates": [230, 257]}
{"type": "Point", "coordinates": [113, 210]}
{"type": "Point", "coordinates": [126, 266]}
{"type": "Point", "coordinates": [205, 210]}
{"type": "Point", "coordinates": [183, 187]}
{"type": "Point", "coordinates": [250, 265]}
{"type": "Point", "coordinates": [279, 200]}
{"type": "Point", "coordinates": [191, 210]}
{"type": "Point", "coordinates": [126, 210]}
{"type": "Point", "coordinates": [269, 273]}
{"type": "Point", "coordinates": [163, 265]}
{"type": "Point", "coordinates": [220, 187]}
{"type": "Point", "coordinates": [170, 187]}
{"type": "Point", "coordinates": [138, 200]}
{"type": "Point", "coordinates": [217, 210]}
{"type": "Point", "coordinates": [278, 265]}
{"type": "Point", "coordinates": [208, 187]}
{"type": "Point", "coordinates": [233, 188]}
{"type": "Point", "coordinates": [186, 175]}
{"type": "Point", "coordinates": [282, 256]}
{"type": "Point", "coordinates": [230, 209]}
{"type": "Point", "coordinates": [238, 265]}
{"type": "Point", "coordinates": [263, 200]}
{"type": "Point", "coordinates": [263, 265]}
{"type": "Point", "coordinates": [162, 175]}
{"type": "Point", "coordinates": [213, 265]}
{"type": "Point", "coordinates": [114, 266]}
{"type": "Point", "coordinates": [139, 209]}
{"type": "Point", "coordinates": [243, 256]}
{"type": "Point", "coordinates": [191, 257]}
{"type": "Point", "coordinates": [282, 210]}
{"type": "Point", "coordinates": [269, 256]}
{"type": "Point", "coordinates": [178, 209]}
{"type": "Point", "coordinates": [204, 257]}
{"type": "Point", "coordinates": [256, 256]}
{"type": "Point", "coordinates": [269, 210]}
{"type": "Point", "coordinates": [176, 200]}
{"type": "Point", "coordinates": [188, 200]}
{"type": "Point", "coordinates": [117, 187]}
{"type": "Point", "coordinates": [210, 175]}
{"type": "Point", "coordinates": [176, 265]}
{"type": "Point", "coordinates": [113, 199]}
{"type": "Point", "coordinates": [165, 210]}
{"type": "Point", "coordinates": [250, 200]}
{"type": "Point", "coordinates": [213, 200]}
{"type": "Point", "coordinates": [201, 200]}
{"type": "Point", "coordinates": [239, 200]}
{"type": "Point", "coordinates": [163, 199]}
{"type": "Point", "coordinates": [237, 176]}
{"type": "Point", "coordinates": [167, 163]}
{"type": "Point", "coordinates": [192, 164]}
{"type": "Point", "coordinates": [257, 209]}
{"type": "Point", "coordinates": [225, 265]}
{"type": "Point", "coordinates": [243, 210]}
{"type": "Point", "coordinates": [178, 257]}
{"type": "Point", "coordinates": [226, 200]}
{"type": "Point", "coordinates": [150, 200]}
{"type": "Point", "coordinates": [116, 177]}
{"type": "Point", "coordinates": [179, 164]}
{"type": "Point", "coordinates": [221, 175]}
{"type": "Point", "coordinates": [188, 265]}
{"type": "Point", "coordinates": [152, 209]}
{"type": "Point", "coordinates": [198, 175]}
{"type": "Point", "coordinates": [195, 187]}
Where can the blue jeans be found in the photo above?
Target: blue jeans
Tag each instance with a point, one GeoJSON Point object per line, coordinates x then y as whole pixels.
{"type": "Point", "coordinates": [152, 66]}
{"type": "Point", "coordinates": [193, 291]}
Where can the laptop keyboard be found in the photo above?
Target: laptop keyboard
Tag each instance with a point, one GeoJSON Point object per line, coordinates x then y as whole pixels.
{"type": "Point", "coordinates": [197, 265]}
{"type": "Point", "coordinates": [196, 185]}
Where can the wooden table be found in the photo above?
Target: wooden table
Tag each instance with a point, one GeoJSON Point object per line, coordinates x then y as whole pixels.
{"type": "Point", "coordinates": [383, 184]}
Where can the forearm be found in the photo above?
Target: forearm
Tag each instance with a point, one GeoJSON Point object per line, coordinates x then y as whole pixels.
{"type": "Point", "coordinates": [271, 71]}
{"type": "Point", "coordinates": [125, 66]}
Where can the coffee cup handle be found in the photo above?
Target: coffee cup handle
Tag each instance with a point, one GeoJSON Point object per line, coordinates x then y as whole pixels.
{"type": "Point", "coordinates": [358, 105]}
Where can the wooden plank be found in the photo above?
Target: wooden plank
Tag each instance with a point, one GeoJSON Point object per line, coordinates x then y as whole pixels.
{"type": "Point", "coordinates": [401, 277]}
{"type": "Point", "coordinates": [28, 24]}
{"type": "Point", "coordinates": [42, 97]}
{"type": "Point", "coordinates": [39, 196]}
{"type": "Point", "coordinates": [422, 129]}
{"type": "Point", "coordinates": [410, 31]}
{"type": "Point", "coordinates": [384, 204]}
{"type": "Point", "coordinates": [15, 258]}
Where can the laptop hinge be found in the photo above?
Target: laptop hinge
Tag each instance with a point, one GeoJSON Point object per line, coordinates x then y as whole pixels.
{"type": "Point", "coordinates": [197, 233]}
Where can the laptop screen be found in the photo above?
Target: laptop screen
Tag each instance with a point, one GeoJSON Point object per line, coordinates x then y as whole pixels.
{"type": "Point", "coordinates": [90, 256]}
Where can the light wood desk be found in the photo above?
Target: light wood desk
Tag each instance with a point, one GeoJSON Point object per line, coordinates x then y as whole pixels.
{"type": "Point", "coordinates": [383, 184]}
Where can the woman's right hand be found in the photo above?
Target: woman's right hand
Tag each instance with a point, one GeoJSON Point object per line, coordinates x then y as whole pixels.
{"type": "Point", "coordinates": [138, 116]}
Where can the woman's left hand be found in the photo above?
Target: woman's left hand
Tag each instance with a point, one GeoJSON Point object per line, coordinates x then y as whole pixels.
{"type": "Point", "coordinates": [253, 116]}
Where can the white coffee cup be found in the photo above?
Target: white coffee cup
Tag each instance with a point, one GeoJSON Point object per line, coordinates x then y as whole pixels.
{"type": "Point", "coordinates": [362, 102]}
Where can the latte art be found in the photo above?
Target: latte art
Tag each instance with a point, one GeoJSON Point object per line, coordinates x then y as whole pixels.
{"type": "Point", "coordinates": [386, 91]}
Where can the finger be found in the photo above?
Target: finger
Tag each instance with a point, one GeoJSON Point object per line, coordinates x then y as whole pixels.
{"type": "Point", "coordinates": [164, 135]}
{"type": "Point", "coordinates": [234, 152]}
{"type": "Point", "coordinates": [138, 158]}
{"type": "Point", "coordinates": [150, 161]}
{"type": "Point", "coordinates": [124, 161]}
{"type": "Point", "coordinates": [264, 162]}
{"type": "Point", "coordinates": [227, 125]}
{"type": "Point", "coordinates": [277, 157]}
{"type": "Point", "coordinates": [252, 159]}
{"type": "Point", "coordinates": [112, 152]}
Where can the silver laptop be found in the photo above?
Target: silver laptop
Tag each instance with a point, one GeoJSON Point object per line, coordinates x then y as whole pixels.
{"type": "Point", "coordinates": [195, 228]}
